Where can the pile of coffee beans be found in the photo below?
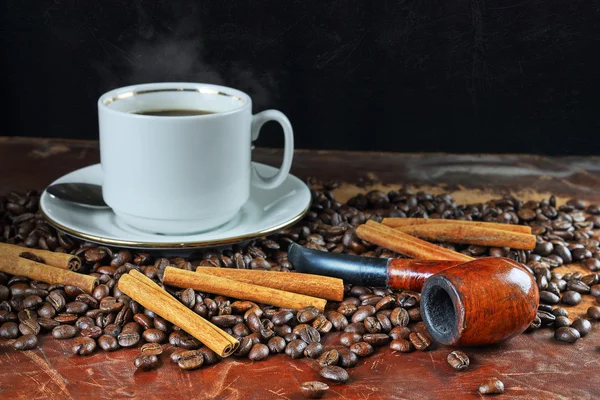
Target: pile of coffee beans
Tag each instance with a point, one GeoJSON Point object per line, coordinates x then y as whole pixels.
{"type": "Point", "coordinates": [367, 318]}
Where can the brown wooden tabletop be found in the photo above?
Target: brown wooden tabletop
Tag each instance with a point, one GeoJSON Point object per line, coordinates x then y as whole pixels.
{"type": "Point", "coordinates": [532, 366]}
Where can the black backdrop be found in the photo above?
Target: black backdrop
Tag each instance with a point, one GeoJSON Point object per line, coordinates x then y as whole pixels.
{"type": "Point", "coordinates": [408, 75]}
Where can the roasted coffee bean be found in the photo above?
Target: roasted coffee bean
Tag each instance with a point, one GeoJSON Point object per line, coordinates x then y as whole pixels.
{"type": "Point", "coordinates": [66, 318]}
{"type": "Point", "coordinates": [357, 327]}
{"type": "Point", "coordinates": [401, 345]}
{"type": "Point", "coordinates": [362, 313]}
{"type": "Point", "coordinates": [415, 314]}
{"type": "Point", "coordinates": [101, 291]}
{"type": "Point", "coordinates": [258, 352]}
{"type": "Point", "coordinates": [362, 349]}
{"type": "Point", "coordinates": [245, 346]}
{"type": "Point", "coordinates": [458, 360]}
{"type": "Point", "coordinates": [32, 302]}
{"type": "Point", "coordinates": [330, 357]}
{"type": "Point", "coordinates": [400, 332]}
{"type": "Point", "coordinates": [595, 290]}
{"type": "Point", "coordinates": [347, 310]}
{"type": "Point", "coordinates": [9, 330]}
{"type": "Point", "coordinates": [549, 298]}
{"type": "Point", "coordinates": [335, 374]}
{"type": "Point", "coordinates": [376, 339]}
{"type": "Point", "coordinates": [94, 332]}
{"type": "Point", "coordinates": [143, 320]}
{"type": "Point", "coordinates": [25, 342]}
{"type": "Point", "coordinates": [191, 359]}
{"type": "Point", "coordinates": [276, 344]}
{"type": "Point", "coordinates": [399, 317]}
{"type": "Point", "coordinates": [420, 340]}
{"type": "Point", "coordinates": [282, 317]}
{"type": "Point", "coordinates": [546, 318]}
{"type": "Point", "coordinates": [46, 310]}
{"type": "Point", "coordinates": [310, 335]}
{"type": "Point", "coordinates": [314, 389]}
{"type": "Point", "coordinates": [578, 286]}
{"type": "Point", "coordinates": [567, 334]}
{"type": "Point", "coordinates": [84, 346]}
{"type": "Point", "coordinates": [256, 338]}
{"type": "Point", "coordinates": [29, 327]}
{"type": "Point", "coordinates": [57, 300]}
{"type": "Point", "coordinates": [108, 343]}
{"type": "Point", "coordinates": [160, 323]}
{"type": "Point", "coordinates": [146, 362]}
{"type": "Point", "coordinates": [154, 336]}
{"type": "Point", "coordinates": [372, 325]}
{"type": "Point", "coordinates": [347, 358]}
{"type": "Point", "coordinates": [210, 357]}
{"type": "Point", "coordinates": [110, 304]}
{"type": "Point", "coordinates": [128, 339]}
{"type": "Point", "coordinates": [76, 307]}
{"type": "Point", "coordinates": [307, 314]}
{"type": "Point", "coordinates": [313, 350]}
{"type": "Point", "coordinates": [594, 313]}
{"type": "Point", "coordinates": [47, 323]}
{"type": "Point", "coordinates": [349, 338]}
{"type": "Point", "coordinates": [64, 332]}
{"type": "Point", "coordinates": [561, 321]}
{"type": "Point", "coordinates": [338, 320]}
{"type": "Point", "coordinates": [84, 322]}
{"type": "Point", "coordinates": [583, 326]}
{"type": "Point", "coordinates": [491, 386]}
{"type": "Point", "coordinates": [295, 348]}
{"type": "Point", "coordinates": [571, 298]}
{"type": "Point", "coordinates": [176, 355]}
{"type": "Point", "coordinates": [112, 330]}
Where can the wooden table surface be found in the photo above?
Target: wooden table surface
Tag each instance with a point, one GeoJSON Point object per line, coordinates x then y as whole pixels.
{"type": "Point", "coordinates": [532, 366]}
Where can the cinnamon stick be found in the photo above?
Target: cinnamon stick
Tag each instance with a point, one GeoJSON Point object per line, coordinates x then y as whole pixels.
{"type": "Point", "coordinates": [398, 222]}
{"type": "Point", "coordinates": [15, 265]}
{"type": "Point", "coordinates": [151, 296]}
{"type": "Point", "coordinates": [468, 234]}
{"type": "Point", "coordinates": [58, 260]}
{"type": "Point", "coordinates": [311, 285]}
{"type": "Point", "coordinates": [404, 244]}
{"type": "Point", "coordinates": [239, 290]}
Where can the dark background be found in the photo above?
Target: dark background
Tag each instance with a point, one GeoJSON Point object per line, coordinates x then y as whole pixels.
{"type": "Point", "coordinates": [415, 75]}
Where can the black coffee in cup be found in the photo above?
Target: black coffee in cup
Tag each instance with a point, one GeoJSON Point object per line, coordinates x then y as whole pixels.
{"type": "Point", "coordinates": [174, 112]}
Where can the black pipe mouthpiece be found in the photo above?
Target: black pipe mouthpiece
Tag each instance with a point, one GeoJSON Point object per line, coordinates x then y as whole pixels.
{"type": "Point", "coordinates": [357, 270]}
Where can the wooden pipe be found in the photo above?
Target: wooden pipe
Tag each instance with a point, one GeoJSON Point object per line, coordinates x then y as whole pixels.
{"type": "Point", "coordinates": [479, 302]}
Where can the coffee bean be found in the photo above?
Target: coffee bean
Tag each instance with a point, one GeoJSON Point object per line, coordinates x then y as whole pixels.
{"type": "Point", "coordinates": [29, 327]}
{"type": "Point", "coordinates": [84, 323]}
{"type": "Point", "coordinates": [356, 327]}
{"type": "Point", "coordinates": [376, 339]}
{"type": "Point", "coordinates": [313, 350]}
{"type": "Point", "coordinates": [559, 311]}
{"type": "Point", "coordinates": [362, 313]}
{"type": "Point", "coordinates": [578, 286]}
{"type": "Point", "coordinates": [57, 300]}
{"type": "Point", "coordinates": [583, 326]}
{"type": "Point", "coordinates": [362, 349]}
{"type": "Point", "coordinates": [64, 332]}
{"type": "Point", "coordinates": [594, 313]}
{"type": "Point", "coordinates": [549, 298]}
{"type": "Point", "coordinates": [25, 342]}
{"type": "Point", "coordinates": [310, 335]}
{"type": "Point", "coordinates": [491, 386]}
{"type": "Point", "coordinates": [330, 357]}
{"type": "Point", "coordinates": [146, 362]}
{"type": "Point", "coordinates": [94, 332]}
{"type": "Point", "coordinates": [258, 352]}
{"type": "Point", "coordinates": [595, 290]}
{"type": "Point", "coordinates": [322, 324]}
{"type": "Point", "coordinates": [314, 389]}
{"type": "Point", "coordinates": [372, 325]}
{"type": "Point", "coordinates": [108, 343]}
{"type": "Point", "coordinates": [399, 317]}
{"type": "Point", "coordinates": [400, 332]}
{"type": "Point", "coordinates": [276, 344]}
{"type": "Point", "coordinates": [100, 292]}
{"type": "Point", "coordinates": [561, 321]}
{"type": "Point", "coordinates": [176, 355]}
{"type": "Point", "coordinates": [401, 345]}
{"type": "Point", "coordinates": [335, 374]}
{"type": "Point", "coordinates": [567, 334]}
{"type": "Point", "coordinates": [282, 317]}
{"type": "Point", "coordinates": [191, 359]}
{"type": "Point", "coordinates": [46, 310]}
{"type": "Point", "coordinates": [307, 314]}
{"type": "Point", "coordinates": [571, 298]}
{"type": "Point", "coordinates": [347, 358]}
{"type": "Point", "coordinates": [420, 340]}
{"type": "Point", "coordinates": [458, 360]}
{"type": "Point", "coordinates": [128, 339]}
{"type": "Point", "coordinates": [9, 330]}
{"type": "Point", "coordinates": [349, 338]}
{"type": "Point", "coordinates": [84, 346]}
{"type": "Point", "coordinates": [32, 302]}
{"type": "Point", "coordinates": [295, 348]}
{"type": "Point", "coordinates": [154, 336]}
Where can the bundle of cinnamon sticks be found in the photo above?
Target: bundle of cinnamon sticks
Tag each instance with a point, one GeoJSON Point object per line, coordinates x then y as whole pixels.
{"type": "Point", "coordinates": [411, 236]}
{"type": "Point", "coordinates": [44, 266]}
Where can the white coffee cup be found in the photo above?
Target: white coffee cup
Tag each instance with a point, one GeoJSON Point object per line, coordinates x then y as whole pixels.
{"type": "Point", "coordinates": [182, 174]}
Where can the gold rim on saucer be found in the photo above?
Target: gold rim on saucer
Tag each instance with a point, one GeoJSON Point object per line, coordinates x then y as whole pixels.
{"type": "Point", "coordinates": [172, 245]}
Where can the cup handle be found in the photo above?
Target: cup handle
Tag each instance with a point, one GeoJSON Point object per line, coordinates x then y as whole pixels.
{"type": "Point", "coordinates": [258, 120]}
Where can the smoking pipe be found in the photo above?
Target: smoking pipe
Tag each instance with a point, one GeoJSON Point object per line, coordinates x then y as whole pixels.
{"type": "Point", "coordinates": [479, 302]}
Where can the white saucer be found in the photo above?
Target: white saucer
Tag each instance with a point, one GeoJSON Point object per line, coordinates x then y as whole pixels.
{"type": "Point", "coordinates": [265, 212]}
